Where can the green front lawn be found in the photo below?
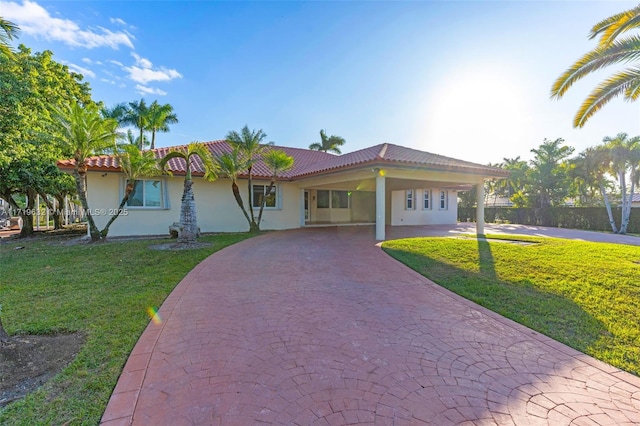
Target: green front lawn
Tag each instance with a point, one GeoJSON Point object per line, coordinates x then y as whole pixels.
{"type": "Point", "coordinates": [100, 290]}
{"type": "Point", "coordinates": [586, 295]}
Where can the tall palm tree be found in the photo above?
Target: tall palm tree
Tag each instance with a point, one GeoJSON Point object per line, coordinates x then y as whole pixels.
{"type": "Point", "coordinates": [625, 158]}
{"type": "Point", "coordinates": [328, 144]}
{"type": "Point", "coordinates": [135, 164]}
{"type": "Point", "coordinates": [117, 112]}
{"type": "Point", "coordinates": [8, 32]}
{"type": "Point", "coordinates": [137, 114]}
{"type": "Point", "coordinates": [248, 142]}
{"type": "Point", "coordinates": [611, 49]}
{"type": "Point", "coordinates": [84, 133]}
{"type": "Point", "coordinates": [159, 118]}
{"type": "Point", "coordinates": [188, 219]}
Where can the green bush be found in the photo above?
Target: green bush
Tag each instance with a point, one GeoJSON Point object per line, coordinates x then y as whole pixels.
{"type": "Point", "coordinates": [591, 218]}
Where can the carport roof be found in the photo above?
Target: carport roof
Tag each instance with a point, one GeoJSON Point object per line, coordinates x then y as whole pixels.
{"type": "Point", "coordinates": [312, 163]}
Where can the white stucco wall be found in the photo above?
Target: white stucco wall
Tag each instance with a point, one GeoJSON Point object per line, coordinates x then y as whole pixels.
{"type": "Point", "coordinates": [217, 210]}
{"type": "Point", "coordinates": [419, 216]}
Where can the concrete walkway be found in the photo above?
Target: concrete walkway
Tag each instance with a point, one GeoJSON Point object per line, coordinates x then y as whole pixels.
{"type": "Point", "coordinates": [319, 326]}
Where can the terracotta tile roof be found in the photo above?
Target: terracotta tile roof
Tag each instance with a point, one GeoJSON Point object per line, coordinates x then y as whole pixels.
{"type": "Point", "coordinates": [394, 154]}
{"type": "Point", "coordinates": [308, 162]}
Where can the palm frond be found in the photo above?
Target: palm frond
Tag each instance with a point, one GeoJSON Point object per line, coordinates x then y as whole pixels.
{"type": "Point", "coordinates": [608, 29]}
{"type": "Point", "coordinates": [605, 92]}
{"type": "Point", "coordinates": [621, 51]}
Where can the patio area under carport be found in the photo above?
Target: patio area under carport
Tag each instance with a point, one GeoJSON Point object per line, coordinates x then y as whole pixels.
{"type": "Point", "coordinates": [370, 192]}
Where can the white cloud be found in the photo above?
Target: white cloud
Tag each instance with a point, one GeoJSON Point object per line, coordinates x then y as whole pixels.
{"type": "Point", "coordinates": [80, 70]}
{"type": "Point", "coordinates": [145, 75]}
{"type": "Point", "coordinates": [143, 62]}
{"type": "Point", "coordinates": [143, 71]}
{"type": "Point", "coordinates": [106, 80]}
{"type": "Point", "coordinates": [35, 20]}
{"type": "Point", "coordinates": [87, 61]}
{"type": "Point", "coordinates": [117, 21]}
{"type": "Point", "coordinates": [144, 90]}
{"type": "Point", "coordinates": [114, 62]}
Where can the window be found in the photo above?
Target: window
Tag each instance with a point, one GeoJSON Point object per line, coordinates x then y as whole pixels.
{"type": "Point", "coordinates": [260, 193]}
{"type": "Point", "coordinates": [323, 199]}
{"type": "Point", "coordinates": [146, 193]}
{"type": "Point", "coordinates": [332, 199]}
{"type": "Point", "coordinates": [339, 199]}
{"type": "Point", "coordinates": [443, 200]}
{"type": "Point", "coordinates": [408, 205]}
{"type": "Point", "coordinates": [426, 199]}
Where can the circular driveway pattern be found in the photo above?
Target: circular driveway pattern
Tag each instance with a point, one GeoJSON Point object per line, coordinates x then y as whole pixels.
{"type": "Point", "coordinates": [319, 326]}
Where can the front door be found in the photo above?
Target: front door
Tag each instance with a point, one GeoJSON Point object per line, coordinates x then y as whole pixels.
{"type": "Point", "coordinates": [307, 210]}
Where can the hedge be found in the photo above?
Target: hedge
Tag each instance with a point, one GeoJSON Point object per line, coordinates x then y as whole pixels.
{"type": "Point", "coordinates": [592, 218]}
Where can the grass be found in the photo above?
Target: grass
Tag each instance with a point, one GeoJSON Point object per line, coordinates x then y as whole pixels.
{"type": "Point", "coordinates": [586, 295]}
{"type": "Point", "coordinates": [100, 290]}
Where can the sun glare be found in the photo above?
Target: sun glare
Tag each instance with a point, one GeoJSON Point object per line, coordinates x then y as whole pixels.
{"type": "Point", "coordinates": [476, 115]}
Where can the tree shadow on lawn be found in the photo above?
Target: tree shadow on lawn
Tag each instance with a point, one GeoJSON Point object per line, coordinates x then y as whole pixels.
{"type": "Point", "coordinates": [551, 314]}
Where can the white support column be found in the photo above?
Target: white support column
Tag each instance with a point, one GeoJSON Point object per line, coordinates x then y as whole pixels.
{"type": "Point", "coordinates": [380, 207]}
{"type": "Point", "coordinates": [302, 208]}
{"type": "Point", "coordinates": [480, 209]}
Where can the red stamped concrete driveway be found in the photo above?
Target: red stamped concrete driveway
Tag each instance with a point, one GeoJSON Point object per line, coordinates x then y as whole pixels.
{"type": "Point", "coordinates": [319, 326]}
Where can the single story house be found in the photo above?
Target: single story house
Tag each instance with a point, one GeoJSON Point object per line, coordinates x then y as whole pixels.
{"type": "Point", "coordinates": [384, 185]}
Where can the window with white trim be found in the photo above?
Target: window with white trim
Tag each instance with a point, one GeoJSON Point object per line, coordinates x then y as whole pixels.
{"type": "Point", "coordinates": [324, 199]}
{"type": "Point", "coordinates": [260, 193]}
{"type": "Point", "coordinates": [409, 198]}
{"type": "Point", "coordinates": [147, 193]}
{"type": "Point", "coordinates": [443, 200]}
{"type": "Point", "coordinates": [426, 199]}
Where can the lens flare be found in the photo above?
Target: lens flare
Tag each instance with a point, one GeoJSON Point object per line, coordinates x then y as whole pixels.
{"type": "Point", "coordinates": [152, 311]}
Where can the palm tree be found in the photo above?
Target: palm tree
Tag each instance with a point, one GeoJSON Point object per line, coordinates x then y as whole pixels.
{"type": "Point", "coordinates": [625, 157]}
{"type": "Point", "coordinates": [188, 232]}
{"type": "Point", "coordinates": [135, 164]}
{"type": "Point", "coordinates": [231, 165]}
{"type": "Point", "coordinates": [85, 133]}
{"type": "Point", "coordinates": [248, 142]}
{"type": "Point", "coordinates": [591, 165]}
{"type": "Point", "coordinates": [137, 114]}
{"type": "Point", "coordinates": [8, 31]}
{"type": "Point", "coordinates": [159, 118]}
{"type": "Point", "coordinates": [610, 50]}
{"type": "Point", "coordinates": [277, 161]}
{"type": "Point", "coordinates": [328, 144]}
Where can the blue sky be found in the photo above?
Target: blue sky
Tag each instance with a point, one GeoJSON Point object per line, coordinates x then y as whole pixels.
{"type": "Point", "coordinates": [469, 80]}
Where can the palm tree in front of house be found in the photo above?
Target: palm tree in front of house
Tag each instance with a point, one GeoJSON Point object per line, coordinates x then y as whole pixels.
{"type": "Point", "coordinates": [328, 143]}
{"type": "Point", "coordinates": [158, 119]}
{"type": "Point", "coordinates": [188, 232]}
{"type": "Point", "coordinates": [84, 133]}
{"type": "Point", "coordinates": [249, 145]}
{"type": "Point", "coordinates": [135, 164]}
{"type": "Point", "coordinates": [231, 165]}
{"type": "Point", "coordinates": [277, 161]}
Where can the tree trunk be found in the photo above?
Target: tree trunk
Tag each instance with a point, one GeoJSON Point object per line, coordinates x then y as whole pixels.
{"type": "Point", "coordinates": [55, 213]}
{"type": "Point", "coordinates": [4, 337]}
{"type": "Point", "coordinates": [188, 220]}
{"type": "Point", "coordinates": [236, 195]}
{"type": "Point", "coordinates": [153, 139]}
{"type": "Point", "coordinates": [130, 189]}
{"type": "Point", "coordinates": [626, 206]}
{"type": "Point", "coordinates": [27, 214]}
{"type": "Point", "coordinates": [253, 226]}
{"type": "Point", "coordinates": [264, 200]}
{"type": "Point", "coordinates": [607, 204]}
{"type": "Point", "coordinates": [82, 195]}
{"type": "Point", "coordinates": [623, 196]}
